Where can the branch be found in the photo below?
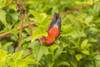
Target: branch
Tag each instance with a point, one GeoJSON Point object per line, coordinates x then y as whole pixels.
{"type": "Point", "coordinates": [7, 33]}
{"type": "Point", "coordinates": [4, 34]}
{"type": "Point", "coordinates": [27, 25]}
{"type": "Point", "coordinates": [21, 29]}
{"type": "Point", "coordinates": [21, 9]}
{"type": "Point", "coordinates": [7, 4]}
{"type": "Point", "coordinates": [27, 55]}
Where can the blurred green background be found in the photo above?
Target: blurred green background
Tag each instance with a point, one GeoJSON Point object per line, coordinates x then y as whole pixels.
{"type": "Point", "coordinates": [78, 46]}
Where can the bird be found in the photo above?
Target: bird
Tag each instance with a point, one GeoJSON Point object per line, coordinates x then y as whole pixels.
{"type": "Point", "coordinates": [53, 30]}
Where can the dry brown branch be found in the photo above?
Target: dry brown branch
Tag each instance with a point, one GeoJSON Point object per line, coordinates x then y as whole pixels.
{"type": "Point", "coordinates": [7, 4]}
{"type": "Point", "coordinates": [7, 33]}
{"type": "Point", "coordinates": [21, 29]}
{"type": "Point", "coordinates": [22, 13]}
{"type": "Point", "coordinates": [4, 34]}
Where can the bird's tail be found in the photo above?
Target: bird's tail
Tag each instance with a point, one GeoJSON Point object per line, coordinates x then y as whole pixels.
{"type": "Point", "coordinates": [55, 21]}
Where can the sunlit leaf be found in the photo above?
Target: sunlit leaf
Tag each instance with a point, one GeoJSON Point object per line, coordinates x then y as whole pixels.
{"type": "Point", "coordinates": [78, 57]}
{"type": "Point", "coordinates": [85, 52]}
{"type": "Point", "coordinates": [84, 43]}
{"type": "Point", "coordinates": [88, 19]}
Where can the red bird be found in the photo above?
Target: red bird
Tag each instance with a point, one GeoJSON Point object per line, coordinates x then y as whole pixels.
{"type": "Point", "coordinates": [53, 30]}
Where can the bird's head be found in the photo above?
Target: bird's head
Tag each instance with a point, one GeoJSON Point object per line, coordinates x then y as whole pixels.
{"type": "Point", "coordinates": [43, 38]}
{"type": "Point", "coordinates": [47, 41]}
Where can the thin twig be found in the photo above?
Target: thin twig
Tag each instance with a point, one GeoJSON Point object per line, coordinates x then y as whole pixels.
{"type": "Point", "coordinates": [29, 24]}
{"type": "Point", "coordinates": [27, 18]}
{"type": "Point", "coordinates": [75, 19]}
{"type": "Point", "coordinates": [7, 4]}
{"type": "Point", "coordinates": [27, 55]}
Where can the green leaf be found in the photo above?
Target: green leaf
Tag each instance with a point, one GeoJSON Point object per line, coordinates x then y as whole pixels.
{"type": "Point", "coordinates": [30, 60]}
{"type": "Point", "coordinates": [37, 34]}
{"type": "Point", "coordinates": [92, 40]}
{"type": "Point", "coordinates": [32, 2]}
{"type": "Point", "coordinates": [58, 52]}
{"type": "Point", "coordinates": [39, 17]}
{"type": "Point", "coordinates": [3, 55]}
{"type": "Point", "coordinates": [0, 45]}
{"type": "Point", "coordinates": [25, 62]}
{"type": "Point", "coordinates": [3, 17]}
{"type": "Point", "coordinates": [63, 63]}
{"type": "Point", "coordinates": [88, 19]}
{"type": "Point", "coordinates": [35, 14]}
{"type": "Point", "coordinates": [89, 2]}
{"type": "Point", "coordinates": [7, 45]}
{"type": "Point", "coordinates": [78, 57]}
{"type": "Point", "coordinates": [78, 2]}
{"type": "Point", "coordinates": [34, 43]}
{"type": "Point", "coordinates": [85, 52]}
{"type": "Point", "coordinates": [97, 57]}
{"type": "Point", "coordinates": [2, 3]}
{"type": "Point", "coordinates": [53, 48]}
{"type": "Point", "coordinates": [39, 51]}
{"type": "Point", "coordinates": [17, 56]}
{"type": "Point", "coordinates": [96, 8]}
{"type": "Point", "coordinates": [84, 44]}
{"type": "Point", "coordinates": [13, 6]}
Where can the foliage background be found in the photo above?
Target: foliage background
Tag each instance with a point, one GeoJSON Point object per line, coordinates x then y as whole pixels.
{"type": "Point", "coordinates": [78, 46]}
